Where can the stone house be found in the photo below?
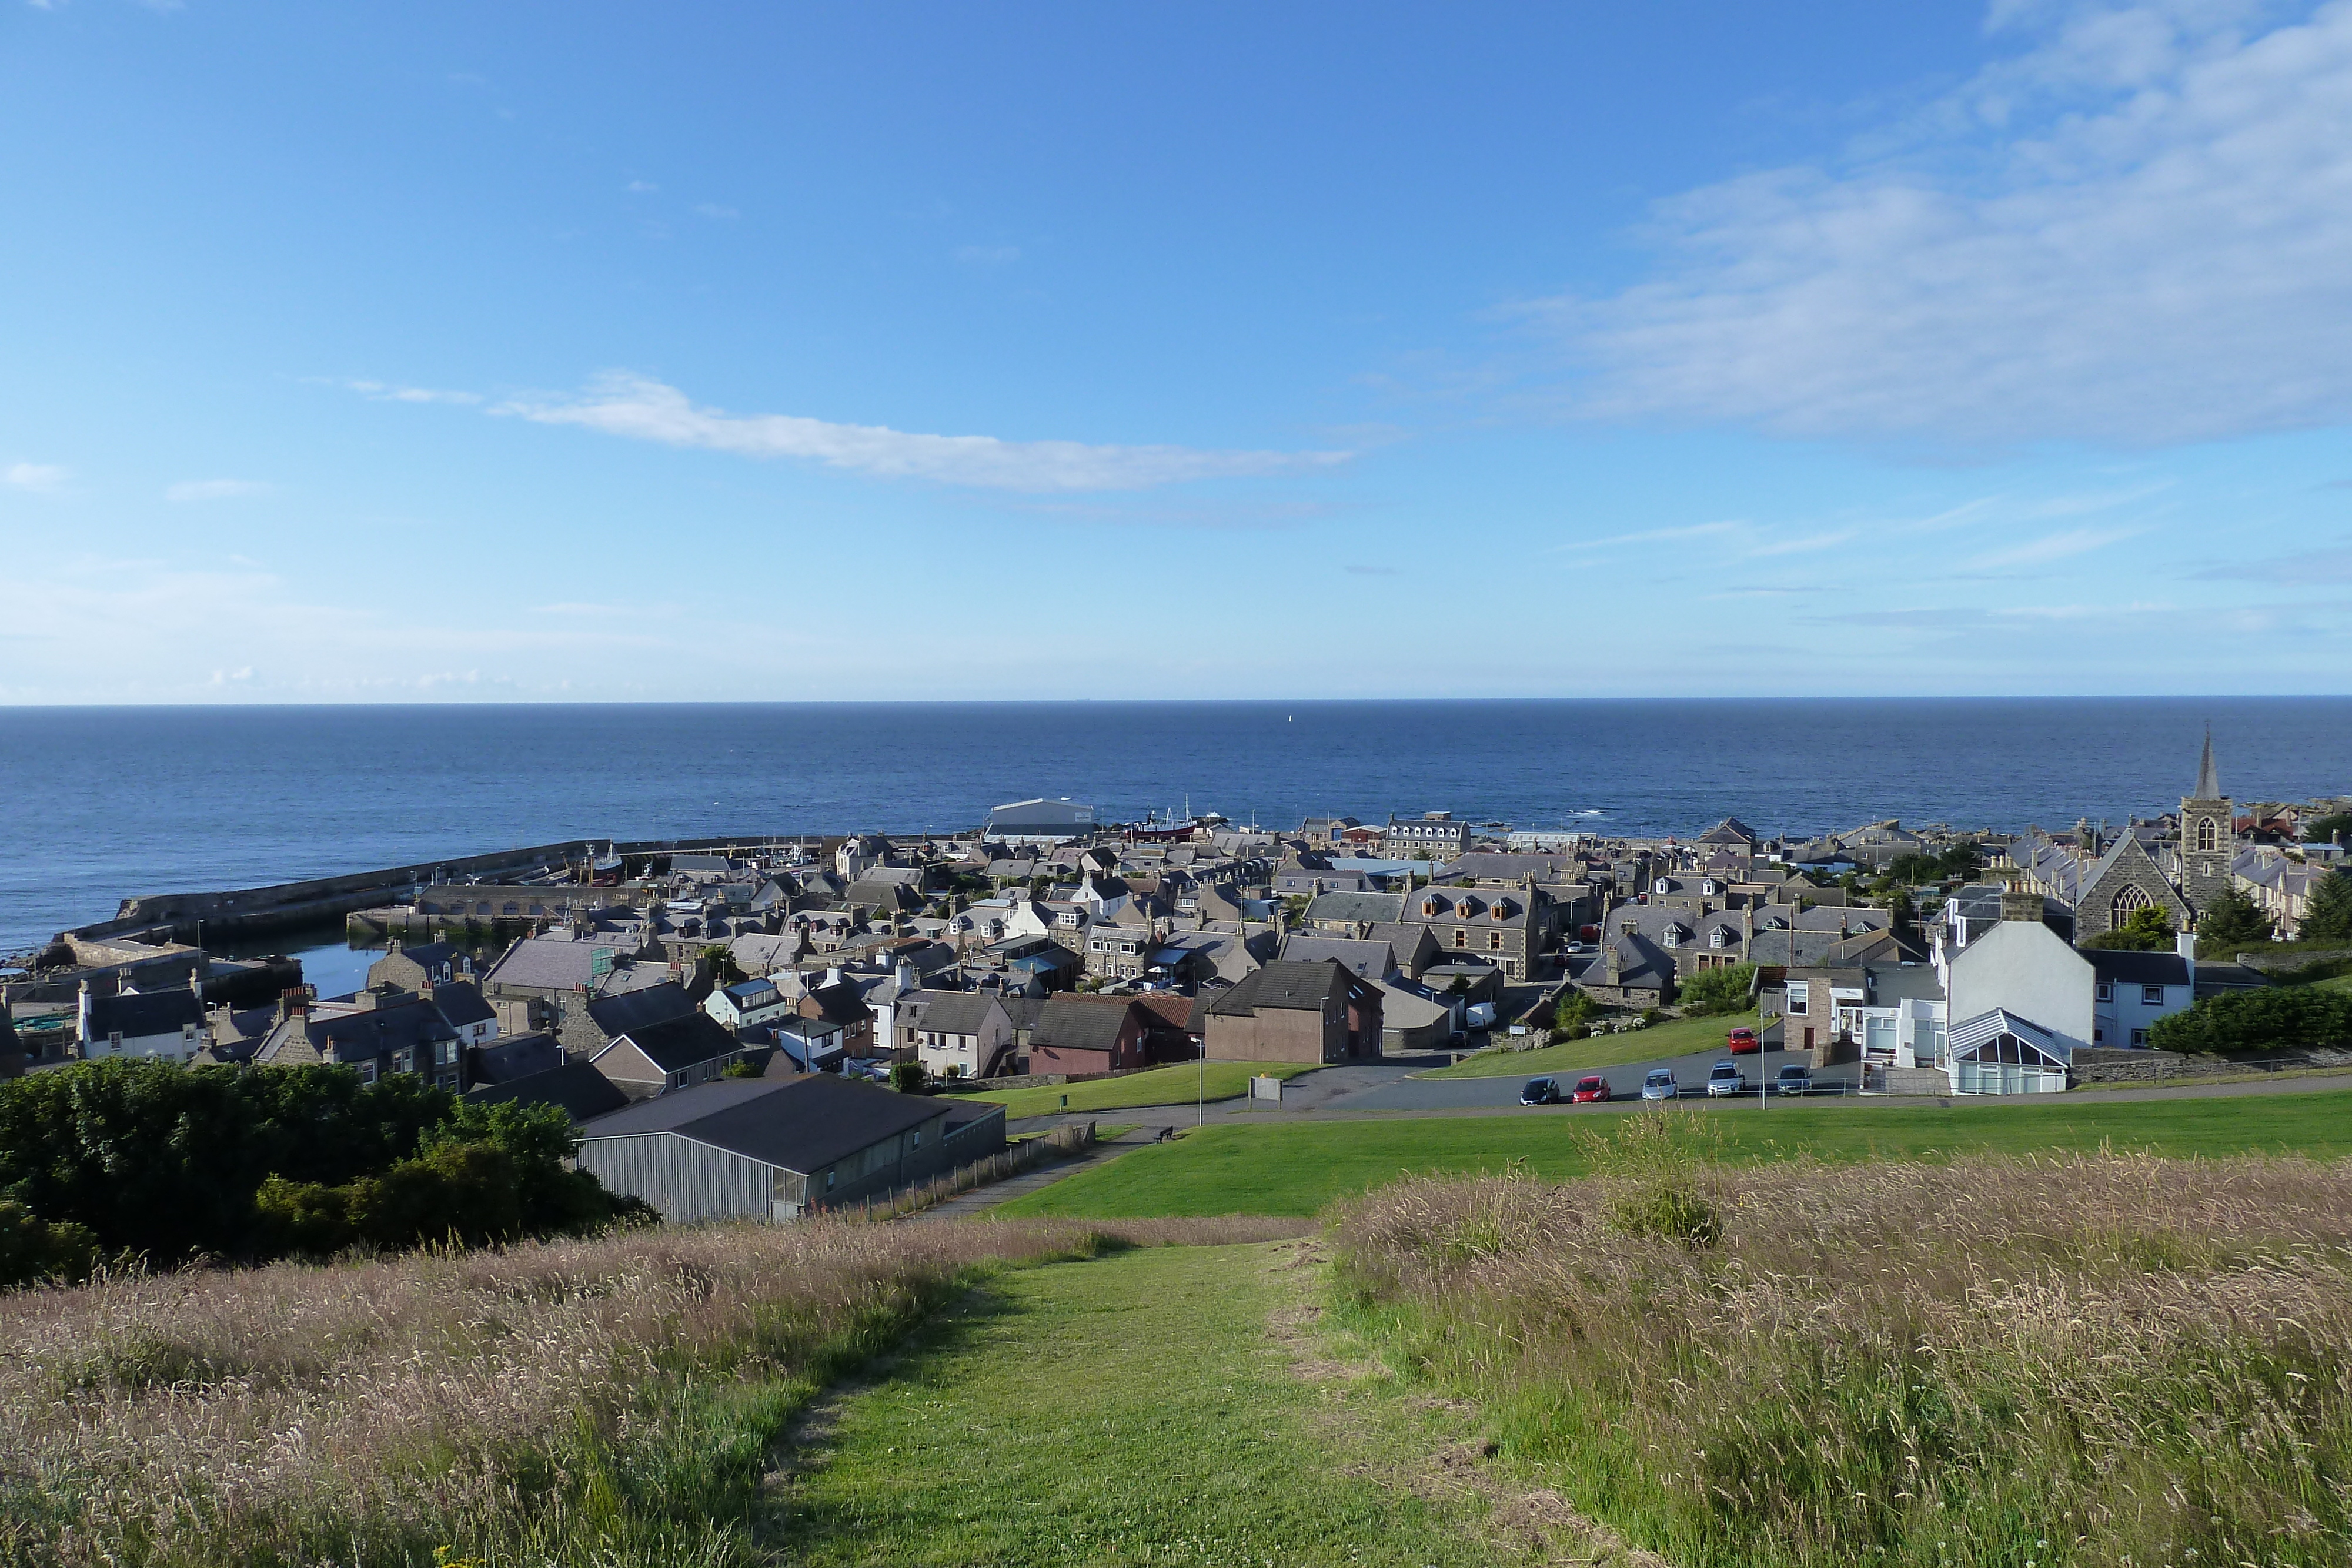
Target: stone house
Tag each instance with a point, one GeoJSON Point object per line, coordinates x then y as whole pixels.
{"type": "Point", "coordinates": [1295, 1012]}
{"type": "Point", "coordinates": [1504, 928]}
{"type": "Point", "coordinates": [1433, 835]}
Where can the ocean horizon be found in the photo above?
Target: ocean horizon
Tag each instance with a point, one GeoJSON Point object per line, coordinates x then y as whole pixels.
{"type": "Point", "coordinates": [114, 802]}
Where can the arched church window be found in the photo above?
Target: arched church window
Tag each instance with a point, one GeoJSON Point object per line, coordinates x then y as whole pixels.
{"type": "Point", "coordinates": [2205, 832]}
{"type": "Point", "coordinates": [2126, 901]}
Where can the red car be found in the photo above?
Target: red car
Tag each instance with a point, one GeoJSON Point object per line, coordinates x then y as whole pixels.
{"type": "Point", "coordinates": [1741, 1041]}
{"type": "Point", "coordinates": [1589, 1088]}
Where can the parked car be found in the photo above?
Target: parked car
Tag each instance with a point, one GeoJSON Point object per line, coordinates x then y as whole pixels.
{"type": "Point", "coordinates": [1661, 1085]}
{"type": "Point", "coordinates": [1724, 1079]}
{"type": "Point", "coordinates": [1742, 1041]}
{"type": "Point", "coordinates": [1795, 1079]}
{"type": "Point", "coordinates": [1540, 1092]}
{"type": "Point", "coordinates": [1589, 1088]}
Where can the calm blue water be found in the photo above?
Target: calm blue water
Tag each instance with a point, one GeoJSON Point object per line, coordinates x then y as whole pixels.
{"type": "Point", "coordinates": [98, 803]}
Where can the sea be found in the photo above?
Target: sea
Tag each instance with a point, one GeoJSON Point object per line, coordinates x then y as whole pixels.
{"type": "Point", "coordinates": [97, 804]}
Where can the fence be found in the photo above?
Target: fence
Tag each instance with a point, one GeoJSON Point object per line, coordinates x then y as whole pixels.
{"type": "Point", "coordinates": [1027, 1154]}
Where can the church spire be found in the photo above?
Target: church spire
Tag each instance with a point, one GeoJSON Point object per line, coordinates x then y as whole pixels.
{"type": "Point", "coordinates": [2208, 783]}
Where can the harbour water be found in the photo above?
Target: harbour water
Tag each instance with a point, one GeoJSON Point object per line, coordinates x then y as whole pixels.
{"type": "Point", "coordinates": [105, 802]}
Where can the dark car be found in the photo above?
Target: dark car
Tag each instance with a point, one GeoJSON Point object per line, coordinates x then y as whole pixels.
{"type": "Point", "coordinates": [1742, 1041]}
{"type": "Point", "coordinates": [1589, 1088]}
{"type": "Point", "coordinates": [1795, 1079]}
{"type": "Point", "coordinates": [1540, 1092]}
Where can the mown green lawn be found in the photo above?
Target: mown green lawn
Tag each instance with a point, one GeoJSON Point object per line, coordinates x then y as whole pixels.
{"type": "Point", "coordinates": [1296, 1170]}
{"type": "Point", "coordinates": [1122, 1410]}
{"type": "Point", "coordinates": [1177, 1085]}
{"type": "Point", "coordinates": [1674, 1037]}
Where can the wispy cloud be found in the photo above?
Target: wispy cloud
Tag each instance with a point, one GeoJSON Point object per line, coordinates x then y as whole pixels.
{"type": "Point", "coordinates": [239, 676]}
{"type": "Point", "coordinates": [1649, 535]}
{"type": "Point", "coordinates": [641, 187]}
{"type": "Point", "coordinates": [2049, 548]}
{"type": "Point", "coordinates": [620, 404]}
{"type": "Point", "coordinates": [988, 255]}
{"type": "Point", "coordinates": [713, 210]}
{"type": "Point", "coordinates": [1806, 545]}
{"type": "Point", "coordinates": [386, 392]}
{"type": "Point", "coordinates": [217, 489]}
{"type": "Point", "coordinates": [41, 478]}
{"type": "Point", "coordinates": [2131, 232]}
{"type": "Point", "coordinates": [2325, 565]}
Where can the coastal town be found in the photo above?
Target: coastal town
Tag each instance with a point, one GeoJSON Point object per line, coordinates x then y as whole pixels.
{"type": "Point", "coordinates": [644, 990]}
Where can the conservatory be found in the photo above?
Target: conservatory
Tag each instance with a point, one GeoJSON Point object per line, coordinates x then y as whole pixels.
{"type": "Point", "coordinates": [1999, 1053]}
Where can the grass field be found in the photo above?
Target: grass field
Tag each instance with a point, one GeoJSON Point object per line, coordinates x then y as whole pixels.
{"type": "Point", "coordinates": [1296, 1170]}
{"type": "Point", "coordinates": [1676, 1037]}
{"type": "Point", "coordinates": [1175, 1085]}
{"type": "Point", "coordinates": [1119, 1410]}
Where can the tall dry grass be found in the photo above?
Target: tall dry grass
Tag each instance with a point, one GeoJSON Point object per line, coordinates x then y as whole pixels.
{"type": "Point", "coordinates": [610, 1401]}
{"type": "Point", "coordinates": [2093, 1358]}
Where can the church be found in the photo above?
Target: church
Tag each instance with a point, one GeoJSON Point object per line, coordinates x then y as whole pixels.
{"type": "Point", "coordinates": [2182, 877]}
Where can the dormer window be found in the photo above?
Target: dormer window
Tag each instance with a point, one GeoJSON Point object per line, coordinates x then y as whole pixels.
{"type": "Point", "coordinates": [1715, 937]}
{"type": "Point", "coordinates": [1660, 886]}
{"type": "Point", "coordinates": [1429, 907]}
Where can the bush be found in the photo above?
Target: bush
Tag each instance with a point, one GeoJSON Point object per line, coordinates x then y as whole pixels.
{"type": "Point", "coordinates": [1713, 991]}
{"type": "Point", "coordinates": [2149, 930]}
{"type": "Point", "coordinates": [2329, 916]}
{"type": "Point", "coordinates": [255, 1162]}
{"type": "Point", "coordinates": [907, 1077]}
{"type": "Point", "coordinates": [2281, 1018]}
{"type": "Point", "coordinates": [33, 1249]}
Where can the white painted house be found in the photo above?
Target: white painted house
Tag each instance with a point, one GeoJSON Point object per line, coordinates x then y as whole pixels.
{"type": "Point", "coordinates": [164, 1026]}
{"type": "Point", "coordinates": [747, 1004]}
{"type": "Point", "coordinates": [2020, 1002]}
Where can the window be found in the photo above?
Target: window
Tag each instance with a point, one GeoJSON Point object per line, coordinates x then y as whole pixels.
{"type": "Point", "coordinates": [1429, 907]}
{"type": "Point", "coordinates": [2126, 901]}
{"type": "Point", "coordinates": [2205, 832]}
{"type": "Point", "coordinates": [828, 1181]}
{"type": "Point", "coordinates": [2140, 1038]}
{"type": "Point", "coordinates": [1715, 937]}
{"type": "Point", "coordinates": [1798, 995]}
{"type": "Point", "coordinates": [2105, 990]}
{"type": "Point", "coordinates": [2151, 996]}
{"type": "Point", "coordinates": [2097, 1034]}
{"type": "Point", "coordinates": [1460, 938]}
{"type": "Point", "coordinates": [1494, 941]}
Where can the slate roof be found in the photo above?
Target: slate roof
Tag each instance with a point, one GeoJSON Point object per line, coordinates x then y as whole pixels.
{"type": "Point", "coordinates": [629, 1010]}
{"type": "Point", "coordinates": [516, 1056]}
{"type": "Point", "coordinates": [952, 1012]}
{"type": "Point", "coordinates": [803, 1124]}
{"type": "Point", "coordinates": [687, 1040]}
{"type": "Point", "coordinates": [578, 1089]}
{"type": "Point", "coordinates": [1380, 908]}
{"type": "Point", "coordinates": [1369, 959]}
{"type": "Point", "coordinates": [2125, 967]}
{"type": "Point", "coordinates": [137, 1014]}
{"type": "Point", "coordinates": [364, 1036]}
{"type": "Point", "coordinates": [1080, 1023]}
{"type": "Point", "coordinates": [460, 1002]}
{"type": "Point", "coordinates": [1301, 987]}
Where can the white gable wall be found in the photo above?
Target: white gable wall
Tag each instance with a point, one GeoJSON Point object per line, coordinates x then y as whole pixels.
{"type": "Point", "coordinates": [2028, 969]}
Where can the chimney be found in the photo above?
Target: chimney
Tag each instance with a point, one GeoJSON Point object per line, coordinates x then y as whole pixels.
{"type": "Point", "coordinates": [2185, 944]}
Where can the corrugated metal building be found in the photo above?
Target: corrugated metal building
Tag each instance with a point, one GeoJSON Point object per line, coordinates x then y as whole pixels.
{"type": "Point", "coordinates": [756, 1148]}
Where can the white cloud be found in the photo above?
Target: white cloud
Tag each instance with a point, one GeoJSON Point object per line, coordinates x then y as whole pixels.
{"type": "Point", "coordinates": [41, 478]}
{"type": "Point", "coordinates": [216, 489]}
{"type": "Point", "coordinates": [2137, 231]}
{"type": "Point", "coordinates": [1648, 536]}
{"type": "Point", "coordinates": [641, 187]}
{"type": "Point", "coordinates": [383, 393]}
{"type": "Point", "coordinates": [2049, 548]}
{"type": "Point", "coordinates": [239, 676]}
{"type": "Point", "coordinates": [619, 404]}
{"type": "Point", "coordinates": [988, 255]}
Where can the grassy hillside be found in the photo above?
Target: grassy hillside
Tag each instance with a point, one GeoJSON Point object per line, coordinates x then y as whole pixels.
{"type": "Point", "coordinates": [1122, 1410]}
{"type": "Point", "coordinates": [608, 1402]}
{"type": "Point", "coordinates": [1297, 1168]}
{"type": "Point", "coordinates": [1676, 1037]}
{"type": "Point", "coordinates": [1995, 1363]}
{"type": "Point", "coordinates": [1177, 1085]}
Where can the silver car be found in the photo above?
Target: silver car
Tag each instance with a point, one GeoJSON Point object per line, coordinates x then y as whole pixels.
{"type": "Point", "coordinates": [1661, 1085]}
{"type": "Point", "coordinates": [1724, 1079]}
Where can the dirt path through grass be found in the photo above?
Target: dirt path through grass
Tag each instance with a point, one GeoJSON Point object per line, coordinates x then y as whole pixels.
{"type": "Point", "coordinates": [1136, 1408]}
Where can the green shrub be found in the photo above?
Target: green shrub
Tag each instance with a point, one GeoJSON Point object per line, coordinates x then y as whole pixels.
{"type": "Point", "coordinates": [33, 1249]}
{"type": "Point", "coordinates": [2281, 1018]}
{"type": "Point", "coordinates": [2149, 930]}
{"type": "Point", "coordinates": [1713, 991]}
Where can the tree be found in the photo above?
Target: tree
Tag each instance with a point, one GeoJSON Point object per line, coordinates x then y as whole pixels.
{"type": "Point", "coordinates": [907, 1077]}
{"type": "Point", "coordinates": [2229, 923]}
{"type": "Point", "coordinates": [724, 969]}
{"type": "Point", "coordinates": [1574, 1012]}
{"type": "Point", "coordinates": [2149, 930]}
{"type": "Point", "coordinates": [1712, 991]}
{"type": "Point", "coordinates": [2274, 1018]}
{"type": "Point", "coordinates": [2322, 830]}
{"type": "Point", "coordinates": [2327, 917]}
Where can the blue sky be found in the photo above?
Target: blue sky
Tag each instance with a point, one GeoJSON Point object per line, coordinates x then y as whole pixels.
{"type": "Point", "coordinates": [531, 352]}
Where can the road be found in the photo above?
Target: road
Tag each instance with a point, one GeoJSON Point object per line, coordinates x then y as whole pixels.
{"type": "Point", "coordinates": [1388, 1088]}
